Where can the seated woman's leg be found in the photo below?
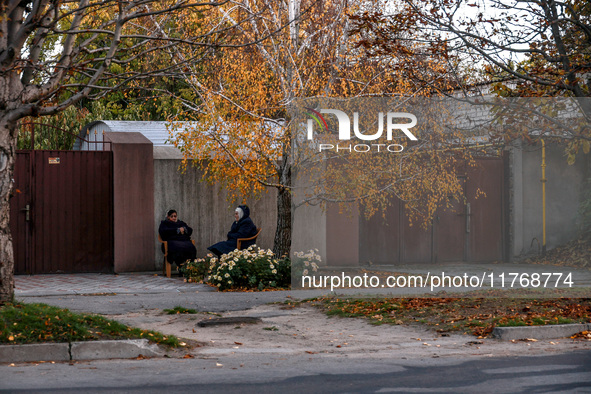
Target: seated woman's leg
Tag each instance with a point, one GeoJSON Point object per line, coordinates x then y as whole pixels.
{"type": "Point", "coordinates": [214, 250]}
{"type": "Point", "coordinates": [223, 247]}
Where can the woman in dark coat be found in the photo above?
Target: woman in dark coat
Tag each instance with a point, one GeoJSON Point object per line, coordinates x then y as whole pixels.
{"type": "Point", "coordinates": [178, 235]}
{"type": "Point", "coordinates": [243, 227]}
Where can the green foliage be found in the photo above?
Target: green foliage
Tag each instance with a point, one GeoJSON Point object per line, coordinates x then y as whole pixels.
{"type": "Point", "coordinates": [196, 270]}
{"type": "Point", "coordinates": [537, 321]}
{"type": "Point", "coordinates": [562, 320]}
{"type": "Point", "coordinates": [249, 269]}
{"type": "Point", "coordinates": [32, 323]}
{"type": "Point", "coordinates": [512, 323]}
{"type": "Point", "coordinates": [57, 132]}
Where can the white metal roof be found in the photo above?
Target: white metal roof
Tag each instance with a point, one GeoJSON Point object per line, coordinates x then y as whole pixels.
{"type": "Point", "coordinates": [156, 132]}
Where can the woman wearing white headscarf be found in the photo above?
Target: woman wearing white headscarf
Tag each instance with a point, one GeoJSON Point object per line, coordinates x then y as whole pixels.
{"type": "Point", "coordinates": [243, 227]}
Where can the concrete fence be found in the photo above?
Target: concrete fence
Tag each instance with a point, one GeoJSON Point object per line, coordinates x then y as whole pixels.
{"type": "Point", "coordinates": [341, 240]}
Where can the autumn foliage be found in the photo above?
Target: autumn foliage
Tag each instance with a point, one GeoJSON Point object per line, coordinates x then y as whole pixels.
{"type": "Point", "coordinates": [497, 48]}
{"type": "Point", "coordinates": [477, 316]}
{"type": "Point", "coordinates": [245, 109]}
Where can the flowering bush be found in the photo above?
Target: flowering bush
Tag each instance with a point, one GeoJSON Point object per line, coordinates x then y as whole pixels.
{"type": "Point", "coordinates": [304, 264]}
{"type": "Point", "coordinates": [196, 270]}
{"type": "Point", "coordinates": [252, 268]}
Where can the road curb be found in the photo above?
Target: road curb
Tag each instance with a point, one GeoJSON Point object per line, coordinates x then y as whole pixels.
{"type": "Point", "coordinates": [35, 352]}
{"type": "Point", "coordinates": [77, 351]}
{"type": "Point", "coordinates": [539, 332]}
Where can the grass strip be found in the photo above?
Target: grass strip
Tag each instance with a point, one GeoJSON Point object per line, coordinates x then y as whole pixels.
{"type": "Point", "coordinates": [22, 323]}
{"type": "Point", "coordinates": [477, 316]}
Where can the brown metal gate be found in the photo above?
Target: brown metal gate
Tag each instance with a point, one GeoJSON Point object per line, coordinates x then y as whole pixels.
{"type": "Point", "coordinates": [61, 213]}
{"type": "Point", "coordinates": [473, 230]}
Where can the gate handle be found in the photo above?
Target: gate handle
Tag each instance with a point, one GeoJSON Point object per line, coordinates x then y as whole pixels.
{"type": "Point", "coordinates": [27, 209]}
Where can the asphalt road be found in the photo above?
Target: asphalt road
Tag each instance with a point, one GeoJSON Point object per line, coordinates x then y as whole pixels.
{"type": "Point", "coordinates": [562, 373]}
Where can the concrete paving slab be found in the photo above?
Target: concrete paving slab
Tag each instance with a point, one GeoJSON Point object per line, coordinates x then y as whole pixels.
{"type": "Point", "coordinates": [84, 284]}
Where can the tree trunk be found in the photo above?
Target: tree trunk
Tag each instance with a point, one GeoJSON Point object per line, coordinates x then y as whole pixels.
{"type": "Point", "coordinates": [282, 243]}
{"type": "Point", "coordinates": [7, 156]}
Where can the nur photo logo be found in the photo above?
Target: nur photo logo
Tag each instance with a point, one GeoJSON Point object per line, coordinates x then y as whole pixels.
{"type": "Point", "coordinates": [393, 124]}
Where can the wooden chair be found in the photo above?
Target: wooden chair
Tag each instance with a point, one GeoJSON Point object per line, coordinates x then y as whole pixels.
{"type": "Point", "coordinates": [167, 266]}
{"type": "Point", "coordinates": [240, 240]}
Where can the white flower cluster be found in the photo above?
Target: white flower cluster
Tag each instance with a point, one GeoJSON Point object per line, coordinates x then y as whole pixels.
{"type": "Point", "coordinates": [228, 261]}
{"type": "Point", "coordinates": [252, 252]}
{"type": "Point", "coordinates": [309, 260]}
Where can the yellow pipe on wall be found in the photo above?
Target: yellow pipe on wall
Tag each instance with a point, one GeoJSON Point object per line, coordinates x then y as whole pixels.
{"type": "Point", "coordinates": [543, 180]}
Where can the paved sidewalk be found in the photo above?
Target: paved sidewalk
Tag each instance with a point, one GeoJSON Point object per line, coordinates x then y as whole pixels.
{"type": "Point", "coordinates": [155, 282]}
{"type": "Point", "coordinates": [73, 284]}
